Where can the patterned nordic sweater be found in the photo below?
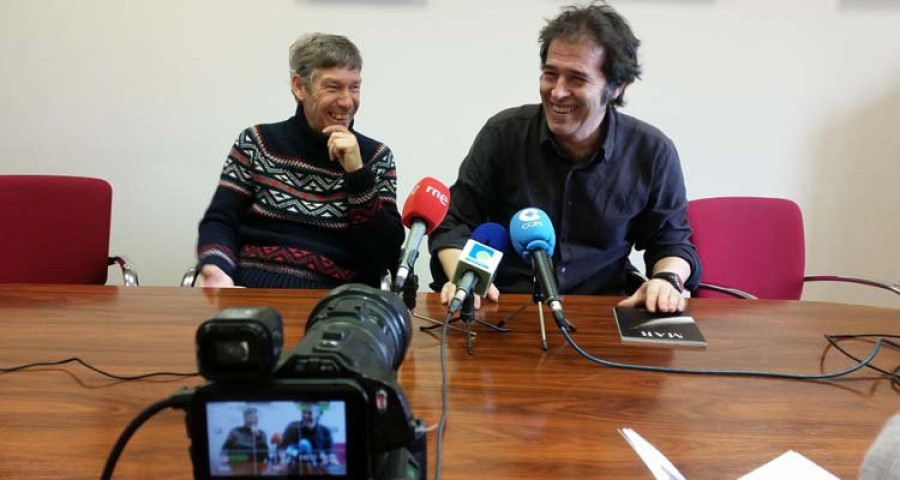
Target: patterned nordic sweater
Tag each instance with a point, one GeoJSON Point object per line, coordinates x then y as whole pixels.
{"type": "Point", "coordinates": [285, 216]}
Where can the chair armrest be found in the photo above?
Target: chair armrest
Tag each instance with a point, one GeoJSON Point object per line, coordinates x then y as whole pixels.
{"type": "Point", "coordinates": [189, 279]}
{"type": "Point", "coordinates": [893, 287]}
{"type": "Point", "coordinates": [129, 274]}
{"type": "Point", "coordinates": [728, 291]}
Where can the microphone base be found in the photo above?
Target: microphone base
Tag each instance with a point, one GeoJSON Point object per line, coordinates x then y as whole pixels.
{"type": "Point", "coordinates": [537, 299]}
{"type": "Point", "coordinates": [467, 315]}
{"type": "Point", "coordinates": [437, 324]}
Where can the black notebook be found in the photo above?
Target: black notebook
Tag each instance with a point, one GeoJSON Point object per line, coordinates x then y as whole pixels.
{"type": "Point", "coordinates": [661, 329]}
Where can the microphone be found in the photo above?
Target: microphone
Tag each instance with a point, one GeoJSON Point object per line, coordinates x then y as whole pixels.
{"type": "Point", "coordinates": [292, 453]}
{"type": "Point", "coordinates": [493, 235]}
{"type": "Point", "coordinates": [533, 238]}
{"type": "Point", "coordinates": [478, 262]}
{"type": "Point", "coordinates": [424, 210]}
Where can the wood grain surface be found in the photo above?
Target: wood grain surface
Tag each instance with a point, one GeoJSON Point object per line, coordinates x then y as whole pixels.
{"type": "Point", "coordinates": [516, 412]}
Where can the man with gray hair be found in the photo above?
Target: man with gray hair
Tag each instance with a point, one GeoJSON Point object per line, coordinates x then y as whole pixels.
{"type": "Point", "coordinates": [246, 443]}
{"type": "Point", "coordinates": [308, 202]}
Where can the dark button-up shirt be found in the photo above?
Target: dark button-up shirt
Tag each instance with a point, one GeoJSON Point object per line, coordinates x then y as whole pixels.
{"type": "Point", "coordinates": [629, 193]}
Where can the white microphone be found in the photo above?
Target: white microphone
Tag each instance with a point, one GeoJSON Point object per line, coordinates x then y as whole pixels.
{"type": "Point", "coordinates": [474, 272]}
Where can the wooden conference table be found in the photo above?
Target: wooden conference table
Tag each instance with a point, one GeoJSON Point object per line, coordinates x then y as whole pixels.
{"type": "Point", "coordinates": [515, 413]}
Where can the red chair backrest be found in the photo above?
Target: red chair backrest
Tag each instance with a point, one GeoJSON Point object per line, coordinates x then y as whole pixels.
{"type": "Point", "coordinates": [752, 244]}
{"type": "Point", "coordinates": [55, 229]}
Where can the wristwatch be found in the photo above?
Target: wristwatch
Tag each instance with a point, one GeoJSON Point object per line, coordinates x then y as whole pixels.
{"type": "Point", "coordinates": [672, 278]}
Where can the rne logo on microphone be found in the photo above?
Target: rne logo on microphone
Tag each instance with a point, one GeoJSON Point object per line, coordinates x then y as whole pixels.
{"type": "Point", "coordinates": [444, 199]}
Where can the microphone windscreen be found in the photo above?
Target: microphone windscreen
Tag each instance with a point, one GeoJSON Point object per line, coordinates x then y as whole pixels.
{"type": "Point", "coordinates": [428, 201]}
{"type": "Point", "coordinates": [493, 235]}
{"type": "Point", "coordinates": [530, 229]}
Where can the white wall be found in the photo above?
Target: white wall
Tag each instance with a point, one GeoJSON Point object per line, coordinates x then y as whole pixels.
{"type": "Point", "coordinates": [793, 98]}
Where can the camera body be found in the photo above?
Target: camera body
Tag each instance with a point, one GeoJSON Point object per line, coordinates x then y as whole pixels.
{"type": "Point", "coordinates": [330, 408]}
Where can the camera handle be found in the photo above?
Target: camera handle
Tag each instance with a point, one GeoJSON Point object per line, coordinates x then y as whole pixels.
{"type": "Point", "coordinates": [396, 463]}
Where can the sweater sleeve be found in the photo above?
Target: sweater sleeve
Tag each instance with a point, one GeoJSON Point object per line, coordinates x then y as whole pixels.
{"type": "Point", "coordinates": [375, 225]}
{"type": "Point", "coordinates": [218, 242]}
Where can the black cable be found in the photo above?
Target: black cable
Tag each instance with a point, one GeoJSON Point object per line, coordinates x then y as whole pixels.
{"type": "Point", "coordinates": [179, 400]}
{"type": "Point", "coordinates": [445, 400]}
{"type": "Point", "coordinates": [742, 373]}
{"type": "Point", "coordinates": [101, 372]}
{"type": "Point", "coordinates": [833, 340]}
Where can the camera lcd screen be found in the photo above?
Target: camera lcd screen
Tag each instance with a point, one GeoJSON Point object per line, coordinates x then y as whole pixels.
{"type": "Point", "coordinates": [287, 439]}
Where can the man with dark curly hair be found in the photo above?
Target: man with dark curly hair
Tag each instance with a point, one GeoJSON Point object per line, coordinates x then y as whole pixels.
{"type": "Point", "coordinates": [608, 181]}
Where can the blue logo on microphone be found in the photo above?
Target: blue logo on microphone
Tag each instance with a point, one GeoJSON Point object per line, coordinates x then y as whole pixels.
{"type": "Point", "coordinates": [481, 254]}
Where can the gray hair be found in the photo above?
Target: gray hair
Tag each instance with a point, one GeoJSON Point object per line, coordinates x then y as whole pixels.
{"type": "Point", "coordinates": [319, 50]}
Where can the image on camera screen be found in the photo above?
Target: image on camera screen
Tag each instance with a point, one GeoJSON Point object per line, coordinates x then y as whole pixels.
{"type": "Point", "coordinates": [277, 438]}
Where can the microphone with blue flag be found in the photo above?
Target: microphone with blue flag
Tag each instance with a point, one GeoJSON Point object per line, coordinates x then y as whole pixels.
{"type": "Point", "coordinates": [493, 235]}
{"type": "Point", "coordinates": [478, 262]}
{"type": "Point", "coordinates": [533, 239]}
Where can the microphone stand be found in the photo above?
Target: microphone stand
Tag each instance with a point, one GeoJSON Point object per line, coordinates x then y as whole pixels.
{"type": "Point", "coordinates": [410, 289]}
{"type": "Point", "coordinates": [409, 292]}
{"type": "Point", "coordinates": [537, 298]}
{"type": "Point", "coordinates": [467, 315]}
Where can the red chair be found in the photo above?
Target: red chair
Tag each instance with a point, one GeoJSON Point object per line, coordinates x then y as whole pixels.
{"type": "Point", "coordinates": [55, 229]}
{"type": "Point", "coordinates": [754, 248]}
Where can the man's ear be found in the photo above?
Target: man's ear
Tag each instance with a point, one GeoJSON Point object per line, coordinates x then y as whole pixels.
{"type": "Point", "coordinates": [620, 90]}
{"type": "Point", "coordinates": [297, 87]}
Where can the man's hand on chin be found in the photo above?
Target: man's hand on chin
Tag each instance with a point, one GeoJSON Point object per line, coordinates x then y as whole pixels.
{"type": "Point", "coordinates": [343, 148]}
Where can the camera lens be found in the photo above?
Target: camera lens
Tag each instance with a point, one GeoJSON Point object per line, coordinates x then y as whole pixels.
{"type": "Point", "coordinates": [368, 326]}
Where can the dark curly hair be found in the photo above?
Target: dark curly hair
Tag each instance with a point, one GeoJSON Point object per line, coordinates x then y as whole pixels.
{"type": "Point", "coordinates": [609, 30]}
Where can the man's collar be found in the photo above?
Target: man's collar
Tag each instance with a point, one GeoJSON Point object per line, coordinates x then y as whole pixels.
{"type": "Point", "coordinates": [610, 122]}
{"type": "Point", "coordinates": [608, 131]}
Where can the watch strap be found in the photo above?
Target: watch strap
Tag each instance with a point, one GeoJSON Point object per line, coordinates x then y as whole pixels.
{"type": "Point", "coordinates": [672, 278]}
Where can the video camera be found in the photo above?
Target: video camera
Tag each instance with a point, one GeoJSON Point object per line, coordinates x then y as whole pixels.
{"type": "Point", "coordinates": [331, 408]}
